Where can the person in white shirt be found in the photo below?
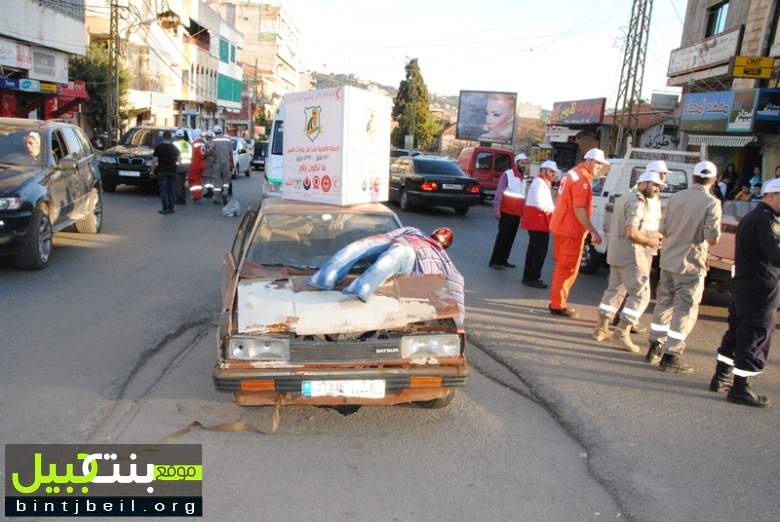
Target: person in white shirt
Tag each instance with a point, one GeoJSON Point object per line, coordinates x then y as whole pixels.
{"type": "Point", "coordinates": [536, 220]}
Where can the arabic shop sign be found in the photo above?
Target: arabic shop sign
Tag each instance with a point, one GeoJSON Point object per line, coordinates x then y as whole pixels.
{"type": "Point", "coordinates": [706, 111]}
{"type": "Point", "coordinates": [767, 112]}
{"type": "Point", "coordinates": [742, 108]}
{"type": "Point", "coordinates": [103, 480]}
{"type": "Point", "coordinates": [578, 112]}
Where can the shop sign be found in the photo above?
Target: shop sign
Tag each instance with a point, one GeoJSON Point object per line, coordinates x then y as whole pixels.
{"type": "Point", "coordinates": [13, 54]}
{"type": "Point", "coordinates": [758, 67]}
{"type": "Point", "coordinates": [578, 112]}
{"type": "Point", "coordinates": [49, 66]}
{"type": "Point", "coordinates": [706, 111]}
{"type": "Point", "coordinates": [767, 115]}
{"type": "Point", "coordinates": [9, 84]}
{"type": "Point", "coordinates": [28, 85]}
{"type": "Point", "coordinates": [716, 50]}
{"type": "Point", "coordinates": [742, 109]}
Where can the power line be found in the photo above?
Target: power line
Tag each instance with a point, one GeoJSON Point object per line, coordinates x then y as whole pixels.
{"type": "Point", "coordinates": [677, 12]}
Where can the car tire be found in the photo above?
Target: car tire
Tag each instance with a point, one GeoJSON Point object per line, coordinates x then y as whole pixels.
{"type": "Point", "coordinates": [37, 251]}
{"type": "Point", "coordinates": [94, 221]}
{"type": "Point", "coordinates": [403, 200]}
{"type": "Point", "coordinates": [462, 210]}
{"type": "Point", "coordinates": [591, 260]}
{"type": "Point", "coordinates": [436, 404]}
{"type": "Point", "coordinates": [109, 186]}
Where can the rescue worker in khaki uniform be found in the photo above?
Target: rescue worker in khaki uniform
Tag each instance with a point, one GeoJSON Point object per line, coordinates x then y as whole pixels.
{"type": "Point", "coordinates": [221, 151]}
{"type": "Point", "coordinates": [570, 224]}
{"type": "Point", "coordinates": [629, 254]}
{"type": "Point", "coordinates": [756, 298]}
{"type": "Point", "coordinates": [690, 223]}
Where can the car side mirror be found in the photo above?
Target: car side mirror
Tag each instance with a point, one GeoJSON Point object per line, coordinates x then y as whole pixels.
{"type": "Point", "coordinates": [68, 164]}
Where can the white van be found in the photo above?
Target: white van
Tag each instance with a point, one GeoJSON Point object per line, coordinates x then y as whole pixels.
{"type": "Point", "coordinates": [274, 165]}
{"type": "Point", "coordinates": [621, 176]}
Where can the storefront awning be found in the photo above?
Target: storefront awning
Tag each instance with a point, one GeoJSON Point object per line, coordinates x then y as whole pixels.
{"type": "Point", "coordinates": [720, 141]}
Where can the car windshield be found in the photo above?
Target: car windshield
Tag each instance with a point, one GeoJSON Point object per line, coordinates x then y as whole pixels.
{"type": "Point", "coordinates": [437, 167]}
{"type": "Point", "coordinates": [308, 240]}
{"type": "Point", "coordinates": [142, 138]}
{"type": "Point", "coordinates": [21, 147]}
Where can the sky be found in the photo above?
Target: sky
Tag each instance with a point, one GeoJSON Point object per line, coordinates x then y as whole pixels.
{"type": "Point", "coordinates": [545, 50]}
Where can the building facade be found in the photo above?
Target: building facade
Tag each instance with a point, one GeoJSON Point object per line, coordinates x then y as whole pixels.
{"type": "Point", "coordinates": [37, 38]}
{"type": "Point", "coordinates": [735, 118]}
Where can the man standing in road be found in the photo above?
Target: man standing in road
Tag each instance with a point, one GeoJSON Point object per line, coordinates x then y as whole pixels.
{"type": "Point", "coordinates": [536, 220]}
{"type": "Point", "coordinates": [629, 254]}
{"type": "Point", "coordinates": [222, 155]}
{"type": "Point", "coordinates": [167, 162]}
{"type": "Point", "coordinates": [570, 224]}
{"type": "Point", "coordinates": [185, 156]}
{"type": "Point", "coordinates": [690, 224]}
{"type": "Point", "coordinates": [210, 172]}
{"type": "Point", "coordinates": [508, 206]}
{"type": "Point", "coordinates": [756, 298]}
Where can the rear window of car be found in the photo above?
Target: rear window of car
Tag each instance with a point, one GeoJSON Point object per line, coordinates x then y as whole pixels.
{"type": "Point", "coordinates": [142, 137]}
{"type": "Point", "coordinates": [484, 161]}
{"type": "Point", "coordinates": [308, 240]}
{"type": "Point", "coordinates": [503, 162]}
{"type": "Point", "coordinates": [437, 167]}
{"type": "Point", "coordinates": [677, 180]}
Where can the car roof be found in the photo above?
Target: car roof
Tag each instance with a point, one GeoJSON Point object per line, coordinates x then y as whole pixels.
{"type": "Point", "coordinates": [287, 205]}
{"type": "Point", "coordinates": [25, 123]}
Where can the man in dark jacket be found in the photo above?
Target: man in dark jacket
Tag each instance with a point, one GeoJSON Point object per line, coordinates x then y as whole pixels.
{"type": "Point", "coordinates": [753, 311]}
{"type": "Point", "coordinates": [167, 161]}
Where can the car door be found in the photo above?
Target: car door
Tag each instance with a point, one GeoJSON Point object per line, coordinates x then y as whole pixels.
{"type": "Point", "coordinates": [57, 179]}
{"type": "Point", "coordinates": [246, 157]}
{"type": "Point", "coordinates": [232, 264]}
{"type": "Point", "coordinates": [77, 180]}
{"type": "Point", "coordinates": [483, 169]}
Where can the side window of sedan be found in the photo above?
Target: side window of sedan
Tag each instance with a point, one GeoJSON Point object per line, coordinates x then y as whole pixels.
{"type": "Point", "coordinates": [57, 147]}
{"type": "Point", "coordinates": [72, 143]}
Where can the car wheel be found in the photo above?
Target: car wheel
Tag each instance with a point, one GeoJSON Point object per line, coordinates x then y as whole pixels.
{"type": "Point", "coordinates": [435, 404]}
{"type": "Point", "coordinates": [109, 186]}
{"type": "Point", "coordinates": [94, 221]}
{"type": "Point", "coordinates": [37, 251]}
{"type": "Point", "coordinates": [591, 259]}
{"type": "Point", "coordinates": [403, 200]}
{"type": "Point", "coordinates": [462, 210]}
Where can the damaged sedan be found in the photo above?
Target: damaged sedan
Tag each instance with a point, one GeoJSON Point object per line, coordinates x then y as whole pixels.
{"type": "Point", "coordinates": [283, 341]}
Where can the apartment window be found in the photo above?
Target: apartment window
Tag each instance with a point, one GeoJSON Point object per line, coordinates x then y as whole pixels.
{"type": "Point", "coordinates": [224, 50]}
{"type": "Point", "coordinates": [716, 19]}
{"type": "Point", "coordinates": [233, 54]}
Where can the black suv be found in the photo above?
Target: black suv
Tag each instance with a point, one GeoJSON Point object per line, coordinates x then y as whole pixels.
{"type": "Point", "coordinates": [48, 181]}
{"type": "Point", "coordinates": [132, 162]}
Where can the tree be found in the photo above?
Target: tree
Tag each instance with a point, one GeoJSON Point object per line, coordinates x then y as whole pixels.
{"type": "Point", "coordinates": [412, 103]}
{"type": "Point", "coordinates": [92, 69]}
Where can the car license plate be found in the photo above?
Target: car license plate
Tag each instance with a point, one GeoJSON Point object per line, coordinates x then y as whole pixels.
{"type": "Point", "coordinates": [130, 173]}
{"type": "Point", "coordinates": [374, 389]}
{"type": "Point", "coordinates": [450, 186]}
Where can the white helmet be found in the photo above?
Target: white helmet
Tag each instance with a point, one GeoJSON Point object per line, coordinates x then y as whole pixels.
{"type": "Point", "coordinates": [217, 129]}
{"type": "Point", "coordinates": [209, 135]}
{"type": "Point", "coordinates": [179, 133]}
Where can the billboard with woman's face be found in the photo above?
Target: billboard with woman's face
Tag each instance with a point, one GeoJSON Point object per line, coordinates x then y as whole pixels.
{"type": "Point", "coordinates": [486, 116]}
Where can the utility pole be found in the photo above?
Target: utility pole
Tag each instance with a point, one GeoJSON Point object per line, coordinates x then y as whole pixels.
{"type": "Point", "coordinates": [632, 75]}
{"type": "Point", "coordinates": [112, 98]}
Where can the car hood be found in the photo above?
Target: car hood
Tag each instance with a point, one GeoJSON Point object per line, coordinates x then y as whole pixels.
{"type": "Point", "coordinates": [287, 305]}
{"type": "Point", "coordinates": [12, 178]}
{"type": "Point", "coordinates": [123, 150]}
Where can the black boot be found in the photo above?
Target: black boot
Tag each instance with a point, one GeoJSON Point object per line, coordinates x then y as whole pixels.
{"type": "Point", "coordinates": [655, 352]}
{"type": "Point", "coordinates": [721, 381]}
{"type": "Point", "coordinates": [672, 363]}
{"type": "Point", "coordinates": [741, 393]}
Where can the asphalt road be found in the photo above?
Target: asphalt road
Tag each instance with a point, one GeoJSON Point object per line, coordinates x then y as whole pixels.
{"type": "Point", "coordinates": [115, 342]}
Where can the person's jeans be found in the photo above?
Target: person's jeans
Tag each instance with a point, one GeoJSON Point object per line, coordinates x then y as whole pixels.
{"type": "Point", "coordinates": [167, 183]}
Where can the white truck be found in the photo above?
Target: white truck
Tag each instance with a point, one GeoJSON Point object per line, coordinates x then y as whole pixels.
{"type": "Point", "coordinates": [273, 174]}
{"type": "Point", "coordinates": [621, 176]}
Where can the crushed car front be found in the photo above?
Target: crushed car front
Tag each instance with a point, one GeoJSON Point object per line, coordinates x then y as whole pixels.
{"type": "Point", "coordinates": [282, 341]}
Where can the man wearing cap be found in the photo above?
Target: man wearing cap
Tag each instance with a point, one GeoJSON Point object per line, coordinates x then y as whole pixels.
{"type": "Point", "coordinates": [629, 254]}
{"type": "Point", "coordinates": [536, 220]}
{"type": "Point", "coordinates": [508, 206]}
{"type": "Point", "coordinates": [690, 224]}
{"type": "Point", "coordinates": [221, 154]}
{"type": "Point", "coordinates": [753, 310]}
{"type": "Point", "coordinates": [570, 224]}
{"type": "Point", "coordinates": [185, 156]}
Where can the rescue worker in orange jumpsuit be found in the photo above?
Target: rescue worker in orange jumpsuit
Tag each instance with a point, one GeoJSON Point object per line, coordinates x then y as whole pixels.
{"type": "Point", "coordinates": [197, 165]}
{"type": "Point", "coordinates": [570, 224]}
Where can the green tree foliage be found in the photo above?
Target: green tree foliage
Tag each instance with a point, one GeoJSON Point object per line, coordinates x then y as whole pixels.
{"type": "Point", "coordinates": [93, 70]}
{"type": "Point", "coordinates": [413, 103]}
